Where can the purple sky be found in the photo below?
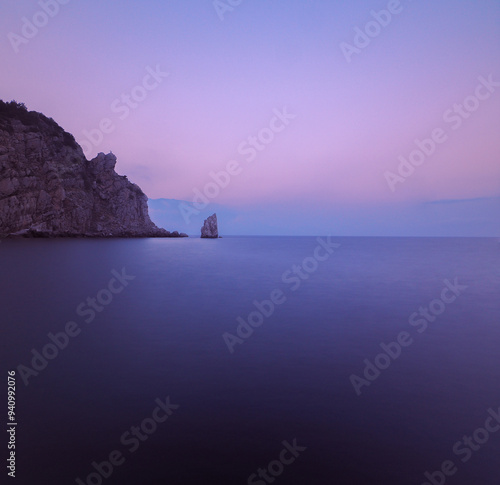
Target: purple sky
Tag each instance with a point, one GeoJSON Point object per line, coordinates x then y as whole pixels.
{"type": "Point", "coordinates": [356, 109]}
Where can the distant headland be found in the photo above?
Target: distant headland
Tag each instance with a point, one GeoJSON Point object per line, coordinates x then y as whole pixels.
{"type": "Point", "coordinates": [49, 189]}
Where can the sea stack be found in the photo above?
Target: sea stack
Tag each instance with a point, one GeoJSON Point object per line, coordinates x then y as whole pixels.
{"type": "Point", "coordinates": [209, 229]}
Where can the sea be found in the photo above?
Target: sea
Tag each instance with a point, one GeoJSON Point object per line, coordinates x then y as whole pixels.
{"type": "Point", "coordinates": [251, 360]}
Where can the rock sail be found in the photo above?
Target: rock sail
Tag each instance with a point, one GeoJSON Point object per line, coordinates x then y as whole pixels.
{"type": "Point", "coordinates": [49, 189]}
{"type": "Point", "coordinates": [210, 229]}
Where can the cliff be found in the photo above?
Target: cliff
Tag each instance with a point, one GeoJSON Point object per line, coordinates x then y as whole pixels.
{"type": "Point", "coordinates": [49, 189]}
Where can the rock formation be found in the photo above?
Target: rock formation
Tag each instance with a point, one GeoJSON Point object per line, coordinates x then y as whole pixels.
{"type": "Point", "coordinates": [49, 189]}
{"type": "Point", "coordinates": [209, 229]}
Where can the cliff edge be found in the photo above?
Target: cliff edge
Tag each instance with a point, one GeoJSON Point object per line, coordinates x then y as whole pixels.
{"type": "Point", "coordinates": [49, 189]}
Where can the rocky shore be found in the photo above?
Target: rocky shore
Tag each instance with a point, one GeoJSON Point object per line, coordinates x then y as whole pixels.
{"type": "Point", "coordinates": [49, 189]}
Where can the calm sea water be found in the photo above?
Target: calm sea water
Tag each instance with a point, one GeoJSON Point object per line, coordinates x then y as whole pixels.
{"type": "Point", "coordinates": [162, 335]}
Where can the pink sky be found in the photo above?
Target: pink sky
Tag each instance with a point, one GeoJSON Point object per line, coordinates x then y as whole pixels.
{"type": "Point", "coordinates": [353, 119]}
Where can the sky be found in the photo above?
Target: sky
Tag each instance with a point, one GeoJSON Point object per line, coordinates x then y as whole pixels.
{"type": "Point", "coordinates": [371, 112]}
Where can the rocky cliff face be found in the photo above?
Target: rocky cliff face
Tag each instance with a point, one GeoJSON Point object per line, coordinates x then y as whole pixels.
{"type": "Point", "coordinates": [210, 229]}
{"type": "Point", "coordinates": [49, 188]}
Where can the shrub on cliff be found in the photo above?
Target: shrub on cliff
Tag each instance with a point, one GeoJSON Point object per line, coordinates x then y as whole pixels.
{"type": "Point", "coordinates": [19, 111]}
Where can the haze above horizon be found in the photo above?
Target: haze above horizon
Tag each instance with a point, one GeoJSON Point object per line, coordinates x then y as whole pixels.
{"type": "Point", "coordinates": [337, 116]}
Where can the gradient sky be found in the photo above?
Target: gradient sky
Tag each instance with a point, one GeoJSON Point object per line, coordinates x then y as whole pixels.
{"type": "Point", "coordinates": [226, 77]}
